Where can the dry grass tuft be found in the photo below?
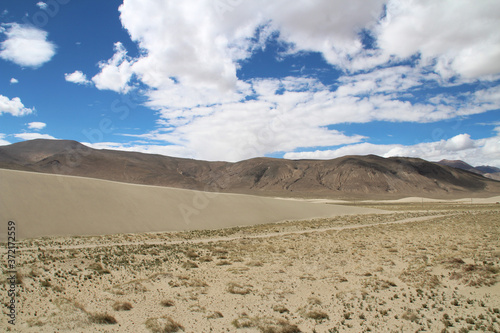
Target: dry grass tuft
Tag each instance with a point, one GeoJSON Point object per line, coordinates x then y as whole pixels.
{"type": "Point", "coordinates": [97, 266]}
{"type": "Point", "coordinates": [255, 263]}
{"type": "Point", "coordinates": [317, 315]}
{"type": "Point", "coordinates": [102, 318]}
{"type": "Point", "coordinates": [167, 303]}
{"type": "Point", "coordinates": [122, 306]}
{"type": "Point", "coordinates": [191, 254]}
{"type": "Point", "coordinates": [164, 324]}
{"type": "Point", "coordinates": [189, 264]}
{"type": "Point", "coordinates": [280, 308]}
{"type": "Point", "coordinates": [410, 315]}
{"type": "Point", "coordinates": [215, 315]}
{"type": "Point", "coordinates": [235, 288]}
{"type": "Point", "coordinates": [265, 325]}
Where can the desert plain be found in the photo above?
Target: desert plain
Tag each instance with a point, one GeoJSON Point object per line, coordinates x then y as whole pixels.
{"type": "Point", "coordinates": [409, 265]}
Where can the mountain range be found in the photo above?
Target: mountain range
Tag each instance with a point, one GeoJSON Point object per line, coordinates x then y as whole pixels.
{"type": "Point", "coordinates": [345, 177]}
{"type": "Point", "coordinates": [485, 170]}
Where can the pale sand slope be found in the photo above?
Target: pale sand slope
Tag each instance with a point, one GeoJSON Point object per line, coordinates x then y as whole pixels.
{"type": "Point", "coordinates": [490, 200]}
{"type": "Point", "coordinates": [43, 205]}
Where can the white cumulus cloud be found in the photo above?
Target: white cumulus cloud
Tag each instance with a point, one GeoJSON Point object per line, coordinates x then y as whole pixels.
{"type": "Point", "coordinates": [42, 5]}
{"type": "Point", "coordinates": [77, 77]}
{"type": "Point", "coordinates": [116, 72]}
{"type": "Point", "coordinates": [460, 36]}
{"type": "Point", "coordinates": [26, 46]}
{"type": "Point", "coordinates": [14, 106]}
{"type": "Point", "coordinates": [33, 136]}
{"type": "Point", "coordinates": [36, 125]}
{"type": "Point", "coordinates": [13, 80]}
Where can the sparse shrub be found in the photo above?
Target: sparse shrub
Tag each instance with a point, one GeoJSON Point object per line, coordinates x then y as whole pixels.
{"type": "Point", "coordinates": [79, 306]}
{"type": "Point", "coordinates": [244, 322]}
{"type": "Point", "coordinates": [102, 318]}
{"type": "Point", "coordinates": [189, 264]}
{"type": "Point", "coordinates": [314, 301]}
{"type": "Point", "coordinates": [255, 263]}
{"type": "Point", "coordinates": [281, 327]}
{"type": "Point", "coordinates": [34, 273]}
{"type": "Point", "coordinates": [163, 325]}
{"type": "Point", "coordinates": [215, 315]}
{"type": "Point", "coordinates": [122, 306]}
{"type": "Point", "coordinates": [206, 259]}
{"type": "Point", "coordinates": [280, 309]}
{"type": "Point", "coordinates": [46, 283]}
{"type": "Point", "coordinates": [167, 303]}
{"type": "Point", "coordinates": [191, 254]}
{"type": "Point", "coordinates": [447, 323]}
{"type": "Point", "coordinates": [317, 315]}
{"type": "Point", "coordinates": [58, 289]}
{"type": "Point", "coordinates": [410, 315]}
{"type": "Point", "coordinates": [455, 261]}
{"type": "Point", "coordinates": [387, 284]}
{"type": "Point", "coordinates": [235, 288]}
{"type": "Point", "coordinates": [265, 325]}
{"type": "Point", "coordinates": [197, 283]}
{"type": "Point", "coordinates": [97, 266]}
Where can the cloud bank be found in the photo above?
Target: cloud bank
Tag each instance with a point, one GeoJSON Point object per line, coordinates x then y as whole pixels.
{"type": "Point", "coordinates": [462, 147]}
{"type": "Point", "coordinates": [387, 54]}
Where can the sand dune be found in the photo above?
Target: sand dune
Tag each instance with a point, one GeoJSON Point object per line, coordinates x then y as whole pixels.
{"type": "Point", "coordinates": [46, 205]}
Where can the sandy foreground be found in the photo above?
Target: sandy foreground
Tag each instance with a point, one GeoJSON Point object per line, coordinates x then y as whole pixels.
{"type": "Point", "coordinates": [401, 266]}
{"type": "Point", "coordinates": [46, 204]}
{"type": "Point", "coordinates": [433, 270]}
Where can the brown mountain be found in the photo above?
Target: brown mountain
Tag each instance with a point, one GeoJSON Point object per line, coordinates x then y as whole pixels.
{"type": "Point", "coordinates": [485, 170]}
{"type": "Point", "coordinates": [345, 177]}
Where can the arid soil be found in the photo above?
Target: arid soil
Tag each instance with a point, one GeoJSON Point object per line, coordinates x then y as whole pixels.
{"type": "Point", "coordinates": [432, 267]}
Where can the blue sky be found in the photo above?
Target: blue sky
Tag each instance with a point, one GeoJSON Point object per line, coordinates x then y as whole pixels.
{"type": "Point", "coordinates": [235, 79]}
